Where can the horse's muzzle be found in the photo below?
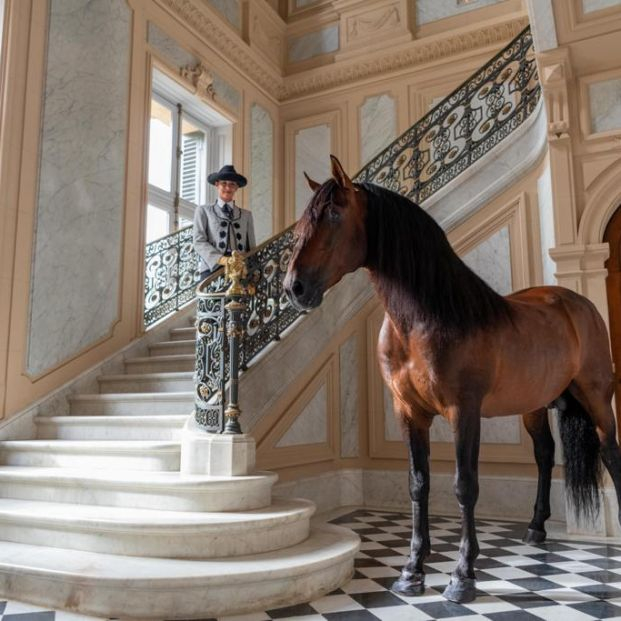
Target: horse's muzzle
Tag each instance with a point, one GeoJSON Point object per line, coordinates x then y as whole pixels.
{"type": "Point", "coordinates": [302, 293]}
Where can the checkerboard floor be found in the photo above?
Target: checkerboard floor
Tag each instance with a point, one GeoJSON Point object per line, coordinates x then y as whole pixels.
{"type": "Point", "coordinates": [557, 580]}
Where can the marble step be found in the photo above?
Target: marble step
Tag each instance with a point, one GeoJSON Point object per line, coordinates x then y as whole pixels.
{"type": "Point", "coordinates": [147, 382]}
{"type": "Point", "coordinates": [166, 491]}
{"type": "Point", "coordinates": [154, 533]}
{"type": "Point", "coordinates": [183, 334]}
{"type": "Point", "coordinates": [108, 585]}
{"type": "Point", "coordinates": [161, 364]}
{"type": "Point", "coordinates": [111, 454]}
{"type": "Point", "coordinates": [159, 427]}
{"type": "Point", "coordinates": [173, 347]}
{"type": "Point", "coordinates": [132, 404]}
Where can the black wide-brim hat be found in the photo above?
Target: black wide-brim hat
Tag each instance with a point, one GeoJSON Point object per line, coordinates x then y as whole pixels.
{"type": "Point", "coordinates": [227, 173]}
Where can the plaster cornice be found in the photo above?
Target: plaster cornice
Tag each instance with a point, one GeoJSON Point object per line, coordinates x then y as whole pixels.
{"type": "Point", "coordinates": [421, 51]}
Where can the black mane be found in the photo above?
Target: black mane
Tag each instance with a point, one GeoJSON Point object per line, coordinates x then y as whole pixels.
{"type": "Point", "coordinates": [418, 274]}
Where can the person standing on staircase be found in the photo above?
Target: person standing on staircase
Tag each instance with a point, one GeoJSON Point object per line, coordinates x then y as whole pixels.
{"type": "Point", "coordinates": [223, 226]}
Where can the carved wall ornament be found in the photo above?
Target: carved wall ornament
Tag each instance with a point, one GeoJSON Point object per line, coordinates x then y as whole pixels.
{"type": "Point", "coordinates": [202, 80]}
{"type": "Point", "coordinates": [363, 26]}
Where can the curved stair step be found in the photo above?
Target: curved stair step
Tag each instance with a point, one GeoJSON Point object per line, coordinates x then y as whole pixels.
{"type": "Point", "coordinates": [153, 533]}
{"type": "Point", "coordinates": [182, 334]}
{"type": "Point", "coordinates": [132, 404]}
{"type": "Point", "coordinates": [167, 491]}
{"type": "Point", "coordinates": [111, 454]}
{"type": "Point", "coordinates": [168, 363]}
{"type": "Point", "coordinates": [173, 347]}
{"type": "Point", "coordinates": [147, 382]}
{"type": "Point", "coordinates": [159, 427]}
{"type": "Point", "coordinates": [108, 585]}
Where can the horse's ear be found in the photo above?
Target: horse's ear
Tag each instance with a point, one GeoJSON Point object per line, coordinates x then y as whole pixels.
{"type": "Point", "coordinates": [340, 176]}
{"type": "Point", "coordinates": [313, 185]}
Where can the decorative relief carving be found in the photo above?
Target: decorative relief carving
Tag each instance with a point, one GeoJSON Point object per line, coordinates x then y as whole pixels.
{"type": "Point", "coordinates": [336, 75]}
{"type": "Point", "coordinates": [201, 80]}
{"type": "Point", "coordinates": [364, 26]}
{"type": "Point", "coordinates": [554, 82]}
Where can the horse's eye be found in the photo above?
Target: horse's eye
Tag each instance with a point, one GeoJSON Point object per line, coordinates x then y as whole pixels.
{"type": "Point", "coordinates": [334, 216]}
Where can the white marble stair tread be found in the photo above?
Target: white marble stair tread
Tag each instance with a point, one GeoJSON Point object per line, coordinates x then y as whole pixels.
{"type": "Point", "coordinates": [182, 334]}
{"type": "Point", "coordinates": [110, 427]}
{"type": "Point", "coordinates": [155, 533]}
{"type": "Point", "coordinates": [129, 404]}
{"type": "Point", "coordinates": [147, 382]}
{"type": "Point", "coordinates": [112, 454]}
{"type": "Point", "coordinates": [160, 363]}
{"type": "Point", "coordinates": [180, 347]}
{"type": "Point", "coordinates": [111, 585]}
{"type": "Point", "coordinates": [140, 489]}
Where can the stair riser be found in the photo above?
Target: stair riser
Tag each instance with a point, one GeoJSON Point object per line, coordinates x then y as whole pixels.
{"type": "Point", "coordinates": [172, 349]}
{"type": "Point", "coordinates": [132, 408]}
{"type": "Point", "coordinates": [150, 385]}
{"type": "Point", "coordinates": [92, 431]}
{"type": "Point", "coordinates": [160, 366]}
{"type": "Point", "coordinates": [196, 543]}
{"type": "Point", "coordinates": [164, 461]}
{"type": "Point", "coordinates": [208, 498]}
{"type": "Point", "coordinates": [158, 598]}
{"type": "Point", "coordinates": [182, 334]}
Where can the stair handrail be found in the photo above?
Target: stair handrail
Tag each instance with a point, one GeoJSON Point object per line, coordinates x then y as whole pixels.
{"type": "Point", "coordinates": [453, 135]}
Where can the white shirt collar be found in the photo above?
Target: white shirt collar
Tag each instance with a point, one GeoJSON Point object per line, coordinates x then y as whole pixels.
{"type": "Point", "coordinates": [221, 203]}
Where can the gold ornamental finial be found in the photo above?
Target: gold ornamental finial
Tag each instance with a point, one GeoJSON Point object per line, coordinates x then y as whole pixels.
{"type": "Point", "coordinates": [234, 271]}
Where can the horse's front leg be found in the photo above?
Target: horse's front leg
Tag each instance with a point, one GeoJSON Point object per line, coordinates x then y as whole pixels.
{"type": "Point", "coordinates": [467, 426]}
{"type": "Point", "coordinates": [416, 434]}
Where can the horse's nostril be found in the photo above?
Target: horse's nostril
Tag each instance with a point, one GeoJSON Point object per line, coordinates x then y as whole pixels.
{"type": "Point", "coordinates": [297, 288]}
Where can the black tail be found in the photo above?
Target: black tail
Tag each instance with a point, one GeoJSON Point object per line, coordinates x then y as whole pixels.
{"type": "Point", "coordinates": [581, 450]}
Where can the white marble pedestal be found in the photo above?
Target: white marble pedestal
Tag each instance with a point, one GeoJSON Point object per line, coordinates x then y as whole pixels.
{"type": "Point", "coordinates": [216, 454]}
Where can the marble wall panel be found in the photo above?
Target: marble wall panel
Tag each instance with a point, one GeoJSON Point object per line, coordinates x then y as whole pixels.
{"type": "Point", "coordinates": [230, 9]}
{"type": "Point", "coordinates": [542, 23]}
{"type": "Point", "coordinates": [313, 44]}
{"type": "Point", "coordinates": [546, 224]}
{"type": "Point", "coordinates": [261, 171]}
{"type": "Point", "coordinates": [605, 100]}
{"type": "Point", "coordinates": [169, 49]}
{"type": "Point", "coordinates": [226, 93]}
{"type": "Point", "coordinates": [378, 125]}
{"type": "Point", "coordinates": [78, 222]}
{"type": "Point", "coordinates": [311, 426]}
{"type": "Point", "coordinates": [312, 154]}
{"type": "Point", "coordinates": [491, 260]}
{"type": "Point", "coordinates": [504, 430]}
{"type": "Point", "coordinates": [348, 363]}
{"type": "Point", "coordinates": [588, 6]}
{"type": "Point", "coordinates": [301, 4]}
{"type": "Point", "coordinates": [432, 10]}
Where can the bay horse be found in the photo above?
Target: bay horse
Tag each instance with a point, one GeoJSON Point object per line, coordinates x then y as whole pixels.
{"type": "Point", "coordinates": [451, 346]}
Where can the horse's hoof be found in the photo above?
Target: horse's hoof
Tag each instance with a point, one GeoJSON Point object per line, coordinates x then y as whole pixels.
{"type": "Point", "coordinates": [408, 587]}
{"type": "Point", "coordinates": [534, 536]}
{"type": "Point", "coordinates": [461, 590]}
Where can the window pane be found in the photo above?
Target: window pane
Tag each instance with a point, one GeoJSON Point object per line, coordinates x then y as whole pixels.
{"type": "Point", "coordinates": [158, 223]}
{"type": "Point", "coordinates": [193, 174]}
{"type": "Point", "coordinates": [160, 146]}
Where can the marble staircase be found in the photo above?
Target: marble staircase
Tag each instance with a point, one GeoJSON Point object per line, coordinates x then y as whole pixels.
{"type": "Point", "coordinates": [99, 516]}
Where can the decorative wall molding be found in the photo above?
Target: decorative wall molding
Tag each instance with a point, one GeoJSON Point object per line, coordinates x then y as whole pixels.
{"type": "Point", "coordinates": [201, 79]}
{"type": "Point", "coordinates": [240, 54]}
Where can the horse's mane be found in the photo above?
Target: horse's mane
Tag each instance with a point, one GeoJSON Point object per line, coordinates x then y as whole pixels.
{"type": "Point", "coordinates": [418, 274]}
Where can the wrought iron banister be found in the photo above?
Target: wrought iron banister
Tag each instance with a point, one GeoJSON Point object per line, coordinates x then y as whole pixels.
{"type": "Point", "coordinates": [170, 275]}
{"type": "Point", "coordinates": [453, 135]}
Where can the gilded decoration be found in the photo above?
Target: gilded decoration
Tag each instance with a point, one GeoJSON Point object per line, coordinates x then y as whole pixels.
{"type": "Point", "coordinates": [283, 88]}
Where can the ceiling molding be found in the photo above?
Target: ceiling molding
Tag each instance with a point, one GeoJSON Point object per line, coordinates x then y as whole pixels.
{"type": "Point", "coordinates": [418, 52]}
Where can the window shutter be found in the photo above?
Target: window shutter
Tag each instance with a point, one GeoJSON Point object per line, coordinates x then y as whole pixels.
{"type": "Point", "coordinates": [190, 167]}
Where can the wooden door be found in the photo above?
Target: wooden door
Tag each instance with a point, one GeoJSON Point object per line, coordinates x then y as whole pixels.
{"type": "Point", "coordinates": [613, 290]}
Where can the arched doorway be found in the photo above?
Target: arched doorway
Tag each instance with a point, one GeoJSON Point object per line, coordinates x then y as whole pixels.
{"type": "Point", "coordinates": [612, 235]}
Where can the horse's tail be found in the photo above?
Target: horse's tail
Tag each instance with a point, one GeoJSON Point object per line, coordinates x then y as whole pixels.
{"type": "Point", "coordinates": [581, 450]}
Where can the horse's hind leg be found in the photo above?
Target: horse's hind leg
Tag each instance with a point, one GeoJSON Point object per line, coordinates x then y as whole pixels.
{"type": "Point", "coordinates": [538, 427]}
{"type": "Point", "coordinates": [467, 425]}
{"type": "Point", "coordinates": [412, 578]}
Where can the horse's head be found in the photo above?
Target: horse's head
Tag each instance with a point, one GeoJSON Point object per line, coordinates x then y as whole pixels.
{"type": "Point", "coordinates": [331, 239]}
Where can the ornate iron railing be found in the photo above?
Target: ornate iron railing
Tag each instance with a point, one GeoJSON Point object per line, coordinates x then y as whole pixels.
{"type": "Point", "coordinates": [452, 136]}
{"type": "Point", "coordinates": [170, 275]}
{"type": "Point", "coordinates": [463, 127]}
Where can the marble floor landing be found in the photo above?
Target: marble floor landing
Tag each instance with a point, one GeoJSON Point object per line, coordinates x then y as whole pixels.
{"type": "Point", "coordinates": [559, 580]}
